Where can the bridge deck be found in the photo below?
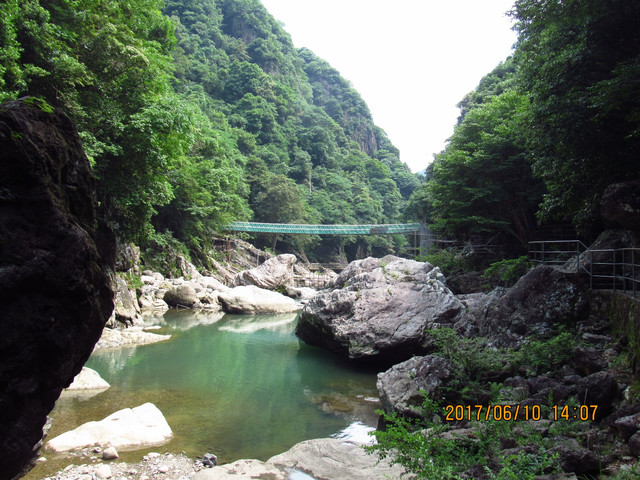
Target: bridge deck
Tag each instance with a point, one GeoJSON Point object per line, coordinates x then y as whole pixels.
{"type": "Point", "coordinates": [383, 229]}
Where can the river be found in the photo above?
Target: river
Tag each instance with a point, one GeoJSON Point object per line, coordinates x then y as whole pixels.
{"type": "Point", "coordinates": [238, 386]}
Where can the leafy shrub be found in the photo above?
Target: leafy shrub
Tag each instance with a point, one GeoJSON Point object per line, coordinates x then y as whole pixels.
{"type": "Point", "coordinates": [161, 251]}
{"type": "Point", "coordinates": [473, 360]}
{"type": "Point", "coordinates": [507, 272]}
{"type": "Point", "coordinates": [133, 281]}
{"type": "Point", "coordinates": [546, 355]}
{"type": "Point", "coordinates": [450, 262]}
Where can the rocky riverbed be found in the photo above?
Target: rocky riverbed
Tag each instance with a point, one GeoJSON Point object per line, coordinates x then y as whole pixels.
{"type": "Point", "coordinates": [400, 314]}
{"type": "Point", "coordinates": [546, 343]}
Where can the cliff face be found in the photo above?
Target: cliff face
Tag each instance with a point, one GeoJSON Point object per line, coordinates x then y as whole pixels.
{"type": "Point", "coordinates": [54, 290]}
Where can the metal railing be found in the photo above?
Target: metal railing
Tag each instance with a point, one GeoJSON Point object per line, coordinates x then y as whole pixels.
{"type": "Point", "coordinates": [316, 279]}
{"type": "Point", "coordinates": [606, 269]}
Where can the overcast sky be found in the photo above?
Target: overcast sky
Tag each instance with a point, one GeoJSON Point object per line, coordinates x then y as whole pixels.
{"type": "Point", "coordinates": [411, 61]}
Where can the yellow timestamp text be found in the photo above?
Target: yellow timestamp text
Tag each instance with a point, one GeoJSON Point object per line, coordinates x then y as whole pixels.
{"type": "Point", "coordinates": [511, 413]}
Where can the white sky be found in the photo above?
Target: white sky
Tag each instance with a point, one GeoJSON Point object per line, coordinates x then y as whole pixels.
{"type": "Point", "coordinates": [411, 61]}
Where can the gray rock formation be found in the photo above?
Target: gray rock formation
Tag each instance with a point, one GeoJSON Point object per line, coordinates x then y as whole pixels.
{"type": "Point", "coordinates": [379, 310]}
{"type": "Point", "coordinates": [541, 300]}
{"type": "Point", "coordinates": [54, 291]}
{"type": "Point", "coordinates": [401, 386]}
{"type": "Point", "coordinates": [274, 273]}
{"type": "Point", "coordinates": [335, 459]}
{"type": "Point", "coordinates": [127, 310]}
{"type": "Point", "coordinates": [182, 296]}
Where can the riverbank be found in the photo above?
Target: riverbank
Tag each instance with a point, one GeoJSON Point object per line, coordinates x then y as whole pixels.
{"type": "Point", "coordinates": [325, 458]}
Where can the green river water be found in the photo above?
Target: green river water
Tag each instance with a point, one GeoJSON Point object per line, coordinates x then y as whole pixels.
{"type": "Point", "coordinates": [238, 386]}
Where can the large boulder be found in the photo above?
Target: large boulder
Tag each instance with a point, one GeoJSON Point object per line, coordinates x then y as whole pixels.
{"type": "Point", "coordinates": [254, 300]}
{"type": "Point", "coordinates": [130, 428]}
{"type": "Point", "coordinates": [540, 301]}
{"type": "Point", "coordinates": [403, 386]}
{"type": "Point", "coordinates": [274, 273]}
{"type": "Point", "coordinates": [183, 296]}
{"type": "Point", "coordinates": [55, 293]}
{"type": "Point", "coordinates": [379, 310]}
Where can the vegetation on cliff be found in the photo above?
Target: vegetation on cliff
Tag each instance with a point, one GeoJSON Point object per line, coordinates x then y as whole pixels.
{"type": "Point", "coordinates": [547, 131]}
{"type": "Point", "coordinates": [197, 113]}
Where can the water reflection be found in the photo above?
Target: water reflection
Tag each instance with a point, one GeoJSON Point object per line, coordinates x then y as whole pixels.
{"type": "Point", "coordinates": [182, 320]}
{"type": "Point", "coordinates": [252, 323]}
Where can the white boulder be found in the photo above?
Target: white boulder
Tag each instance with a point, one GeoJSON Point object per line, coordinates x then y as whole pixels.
{"type": "Point", "coordinates": [251, 299]}
{"type": "Point", "coordinates": [88, 379]}
{"type": "Point", "coordinates": [129, 429]}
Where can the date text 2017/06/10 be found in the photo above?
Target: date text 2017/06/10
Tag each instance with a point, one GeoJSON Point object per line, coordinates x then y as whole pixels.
{"type": "Point", "coordinates": [510, 413]}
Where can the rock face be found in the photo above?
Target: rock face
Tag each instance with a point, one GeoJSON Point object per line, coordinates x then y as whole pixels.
{"type": "Point", "coordinates": [400, 387]}
{"type": "Point", "coordinates": [543, 298]}
{"type": "Point", "coordinates": [276, 272]}
{"type": "Point", "coordinates": [126, 307]}
{"type": "Point", "coordinates": [379, 310]}
{"type": "Point", "coordinates": [54, 291]}
{"type": "Point", "coordinates": [253, 300]}
{"type": "Point", "coordinates": [130, 428]}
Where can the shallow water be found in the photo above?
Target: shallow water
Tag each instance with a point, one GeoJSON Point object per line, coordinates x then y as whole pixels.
{"type": "Point", "coordinates": [235, 385]}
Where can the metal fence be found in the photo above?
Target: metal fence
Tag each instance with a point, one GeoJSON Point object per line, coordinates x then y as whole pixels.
{"type": "Point", "coordinates": [606, 269]}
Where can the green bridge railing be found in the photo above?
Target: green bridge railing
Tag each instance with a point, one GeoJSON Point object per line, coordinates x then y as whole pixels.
{"type": "Point", "coordinates": [383, 229]}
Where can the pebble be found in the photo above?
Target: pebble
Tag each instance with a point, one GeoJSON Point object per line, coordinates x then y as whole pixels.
{"type": "Point", "coordinates": [163, 468]}
{"type": "Point", "coordinates": [41, 459]}
{"type": "Point", "coordinates": [103, 471]}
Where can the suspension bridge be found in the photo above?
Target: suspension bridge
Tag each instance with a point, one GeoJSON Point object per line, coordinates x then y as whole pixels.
{"type": "Point", "coordinates": [308, 229]}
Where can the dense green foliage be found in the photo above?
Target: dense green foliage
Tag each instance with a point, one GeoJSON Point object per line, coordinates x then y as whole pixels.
{"type": "Point", "coordinates": [196, 113]}
{"type": "Point", "coordinates": [547, 131]}
{"type": "Point", "coordinates": [426, 446]}
{"type": "Point", "coordinates": [580, 66]}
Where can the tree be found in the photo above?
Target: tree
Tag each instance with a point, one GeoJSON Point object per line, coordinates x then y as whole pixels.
{"type": "Point", "coordinates": [279, 201]}
{"type": "Point", "coordinates": [482, 182]}
{"type": "Point", "coordinates": [579, 64]}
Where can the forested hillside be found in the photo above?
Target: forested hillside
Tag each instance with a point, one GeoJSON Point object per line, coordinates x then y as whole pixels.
{"type": "Point", "coordinates": [195, 113]}
{"type": "Point", "coordinates": [547, 131]}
